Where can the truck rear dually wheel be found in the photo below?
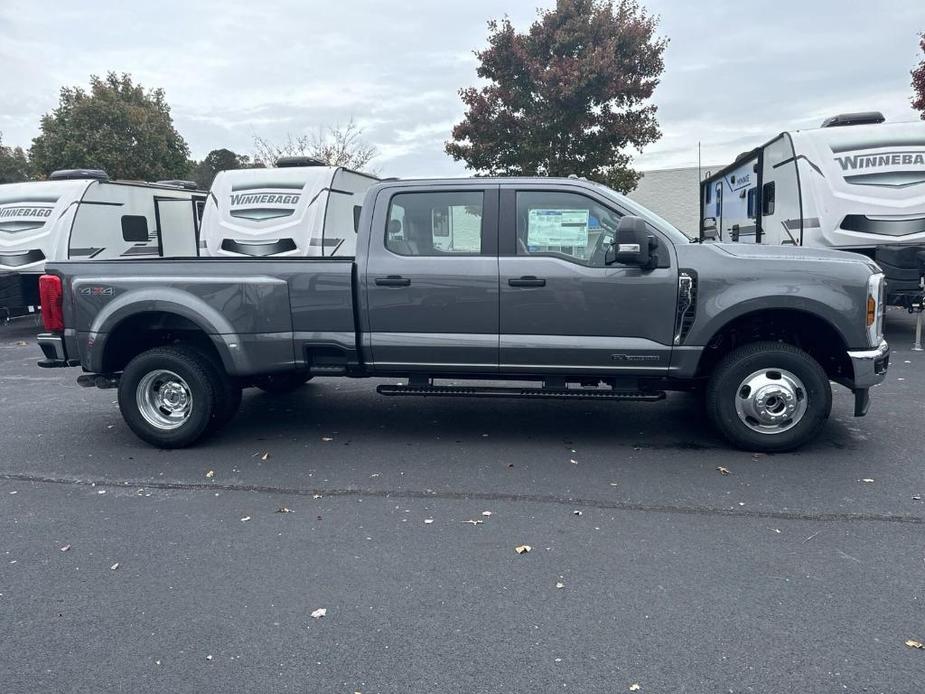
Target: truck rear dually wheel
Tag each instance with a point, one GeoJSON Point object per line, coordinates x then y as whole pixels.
{"type": "Point", "coordinates": [769, 397]}
{"type": "Point", "coordinates": [167, 396]}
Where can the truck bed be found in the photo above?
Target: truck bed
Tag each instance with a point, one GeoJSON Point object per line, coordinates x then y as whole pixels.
{"type": "Point", "coordinates": [260, 314]}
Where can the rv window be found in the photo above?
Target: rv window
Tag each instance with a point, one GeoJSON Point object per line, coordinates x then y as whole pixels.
{"type": "Point", "coordinates": [134, 228]}
{"type": "Point", "coordinates": [356, 218]}
{"type": "Point", "coordinates": [767, 198]}
{"type": "Point", "coordinates": [709, 195]}
{"type": "Point", "coordinates": [752, 194]}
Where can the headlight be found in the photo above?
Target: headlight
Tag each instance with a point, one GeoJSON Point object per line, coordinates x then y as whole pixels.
{"type": "Point", "coordinates": [876, 294]}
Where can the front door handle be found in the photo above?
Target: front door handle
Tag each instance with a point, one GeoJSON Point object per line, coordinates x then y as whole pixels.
{"type": "Point", "coordinates": [527, 281]}
{"type": "Point", "coordinates": [393, 281]}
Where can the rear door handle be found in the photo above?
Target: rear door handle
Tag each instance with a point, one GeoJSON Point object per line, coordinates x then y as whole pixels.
{"type": "Point", "coordinates": [393, 281]}
{"type": "Point", "coordinates": [527, 281]}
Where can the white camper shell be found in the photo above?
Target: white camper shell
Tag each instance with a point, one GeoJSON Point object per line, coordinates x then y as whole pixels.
{"type": "Point", "coordinates": [854, 184]}
{"type": "Point", "coordinates": [83, 215]}
{"type": "Point", "coordinates": [301, 209]}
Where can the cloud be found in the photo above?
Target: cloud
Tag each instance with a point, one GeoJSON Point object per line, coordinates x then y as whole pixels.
{"type": "Point", "coordinates": [736, 73]}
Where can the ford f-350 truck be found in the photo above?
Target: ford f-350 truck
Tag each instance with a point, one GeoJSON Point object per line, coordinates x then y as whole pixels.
{"type": "Point", "coordinates": [562, 283]}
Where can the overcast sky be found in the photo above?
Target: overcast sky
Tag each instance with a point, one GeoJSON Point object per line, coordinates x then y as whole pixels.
{"type": "Point", "coordinates": [736, 72]}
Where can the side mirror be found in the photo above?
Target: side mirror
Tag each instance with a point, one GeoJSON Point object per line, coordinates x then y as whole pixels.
{"type": "Point", "coordinates": [633, 245]}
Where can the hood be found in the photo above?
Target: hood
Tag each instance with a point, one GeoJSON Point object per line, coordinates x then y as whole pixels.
{"type": "Point", "coordinates": [792, 253]}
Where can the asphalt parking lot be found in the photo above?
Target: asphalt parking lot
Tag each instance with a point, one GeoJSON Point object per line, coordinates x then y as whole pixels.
{"type": "Point", "coordinates": [182, 571]}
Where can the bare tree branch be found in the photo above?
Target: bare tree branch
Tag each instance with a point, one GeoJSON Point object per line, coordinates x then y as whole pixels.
{"type": "Point", "coordinates": [334, 145]}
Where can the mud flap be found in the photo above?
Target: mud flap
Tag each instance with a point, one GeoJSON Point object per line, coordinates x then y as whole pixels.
{"type": "Point", "coordinates": [861, 401]}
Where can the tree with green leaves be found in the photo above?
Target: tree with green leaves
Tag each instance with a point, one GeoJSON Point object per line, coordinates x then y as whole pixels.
{"type": "Point", "coordinates": [569, 96]}
{"type": "Point", "coordinates": [14, 164]}
{"type": "Point", "coordinates": [204, 172]}
{"type": "Point", "coordinates": [918, 82]}
{"type": "Point", "coordinates": [117, 126]}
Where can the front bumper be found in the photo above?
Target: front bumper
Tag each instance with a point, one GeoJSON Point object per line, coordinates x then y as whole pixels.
{"type": "Point", "coordinates": [869, 365]}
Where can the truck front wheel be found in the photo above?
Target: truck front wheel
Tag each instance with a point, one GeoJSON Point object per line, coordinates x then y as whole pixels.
{"type": "Point", "coordinates": [769, 397]}
{"type": "Point", "coordinates": [167, 396]}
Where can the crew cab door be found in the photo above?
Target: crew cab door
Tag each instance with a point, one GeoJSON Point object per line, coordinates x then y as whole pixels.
{"type": "Point", "coordinates": [431, 279]}
{"type": "Point", "coordinates": [563, 309]}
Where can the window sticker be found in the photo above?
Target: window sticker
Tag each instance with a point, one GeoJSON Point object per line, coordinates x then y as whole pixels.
{"type": "Point", "coordinates": [557, 227]}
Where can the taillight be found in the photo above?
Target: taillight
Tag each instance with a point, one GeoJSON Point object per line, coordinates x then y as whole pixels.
{"type": "Point", "coordinates": [51, 297]}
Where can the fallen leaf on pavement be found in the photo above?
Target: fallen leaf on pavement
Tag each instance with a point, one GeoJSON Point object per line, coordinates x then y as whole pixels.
{"type": "Point", "coordinates": [114, 566]}
{"type": "Point", "coordinates": [867, 480]}
{"type": "Point", "coordinates": [65, 548]}
{"type": "Point", "coordinates": [316, 496]}
{"type": "Point", "coordinates": [428, 521]}
{"type": "Point", "coordinates": [912, 643]}
{"type": "Point", "coordinates": [265, 456]}
{"type": "Point", "coordinates": [522, 549]}
{"type": "Point", "coordinates": [560, 585]}
{"type": "Point", "coordinates": [723, 471]}
{"type": "Point", "coordinates": [210, 474]}
{"type": "Point", "coordinates": [486, 513]}
{"type": "Point", "coordinates": [473, 522]}
{"type": "Point", "coordinates": [573, 461]}
{"type": "Point", "coordinates": [916, 497]}
{"type": "Point", "coordinates": [284, 509]}
{"type": "Point", "coordinates": [326, 438]}
{"type": "Point", "coordinates": [613, 484]}
{"type": "Point", "coordinates": [634, 687]}
{"type": "Point", "coordinates": [319, 613]}
{"type": "Point", "coordinates": [245, 519]}
{"type": "Point", "coordinates": [21, 343]}
{"type": "Point", "coordinates": [208, 657]}
{"type": "Point", "coordinates": [576, 513]}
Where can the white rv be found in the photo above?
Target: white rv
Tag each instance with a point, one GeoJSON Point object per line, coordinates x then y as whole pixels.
{"type": "Point", "coordinates": [81, 214]}
{"type": "Point", "coordinates": [300, 208]}
{"type": "Point", "coordinates": [855, 184]}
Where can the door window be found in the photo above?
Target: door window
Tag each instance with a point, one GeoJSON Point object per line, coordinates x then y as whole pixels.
{"type": "Point", "coordinates": [435, 224]}
{"type": "Point", "coordinates": [565, 225]}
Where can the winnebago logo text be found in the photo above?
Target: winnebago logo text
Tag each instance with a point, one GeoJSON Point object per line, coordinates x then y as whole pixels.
{"type": "Point", "coordinates": [265, 199]}
{"type": "Point", "coordinates": [263, 203]}
{"type": "Point", "coordinates": [25, 212]}
{"type": "Point", "coordinates": [870, 161]}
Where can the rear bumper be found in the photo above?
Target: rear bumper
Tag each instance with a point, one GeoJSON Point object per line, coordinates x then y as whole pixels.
{"type": "Point", "coordinates": [869, 365]}
{"type": "Point", "coordinates": [52, 345]}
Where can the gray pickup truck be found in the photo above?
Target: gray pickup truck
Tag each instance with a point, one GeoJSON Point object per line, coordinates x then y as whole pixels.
{"type": "Point", "coordinates": [559, 283]}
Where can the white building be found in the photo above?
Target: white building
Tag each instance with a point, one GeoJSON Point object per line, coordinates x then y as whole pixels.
{"type": "Point", "coordinates": [673, 194]}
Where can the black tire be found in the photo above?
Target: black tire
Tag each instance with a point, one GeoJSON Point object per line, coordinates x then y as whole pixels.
{"type": "Point", "coordinates": [279, 384]}
{"type": "Point", "coordinates": [193, 369]}
{"type": "Point", "coordinates": [227, 390]}
{"type": "Point", "coordinates": [724, 395]}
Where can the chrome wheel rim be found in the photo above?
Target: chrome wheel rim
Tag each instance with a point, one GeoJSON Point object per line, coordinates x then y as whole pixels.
{"type": "Point", "coordinates": [164, 399]}
{"type": "Point", "coordinates": [771, 401]}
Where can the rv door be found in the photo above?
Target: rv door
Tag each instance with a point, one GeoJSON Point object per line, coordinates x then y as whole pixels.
{"type": "Point", "coordinates": [781, 219]}
{"type": "Point", "coordinates": [177, 226]}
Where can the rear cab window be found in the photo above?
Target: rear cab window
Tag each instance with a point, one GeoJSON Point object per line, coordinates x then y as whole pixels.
{"type": "Point", "coordinates": [435, 223]}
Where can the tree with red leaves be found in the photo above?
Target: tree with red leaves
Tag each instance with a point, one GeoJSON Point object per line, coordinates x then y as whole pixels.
{"type": "Point", "coordinates": [566, 97]}
{"type": "Point", "coordinates": [918, 83]}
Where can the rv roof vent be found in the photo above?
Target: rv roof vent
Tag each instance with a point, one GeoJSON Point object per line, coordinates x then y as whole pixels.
{"type": "Point", "coordinates": [287, 162]}
{"type": "Point", "coordinates": [179, 183]}
{"type": "Point", "coordinates": [864, 118]}
{"type": "Point", "coordinates": [69, 174]}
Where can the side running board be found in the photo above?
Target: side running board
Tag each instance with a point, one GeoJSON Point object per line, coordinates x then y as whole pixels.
{"type": "Point", "coordinates": [500, 392]}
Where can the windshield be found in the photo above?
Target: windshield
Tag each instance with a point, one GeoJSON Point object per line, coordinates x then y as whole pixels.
{"type": "Point", "coordinates": [639, 211]}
